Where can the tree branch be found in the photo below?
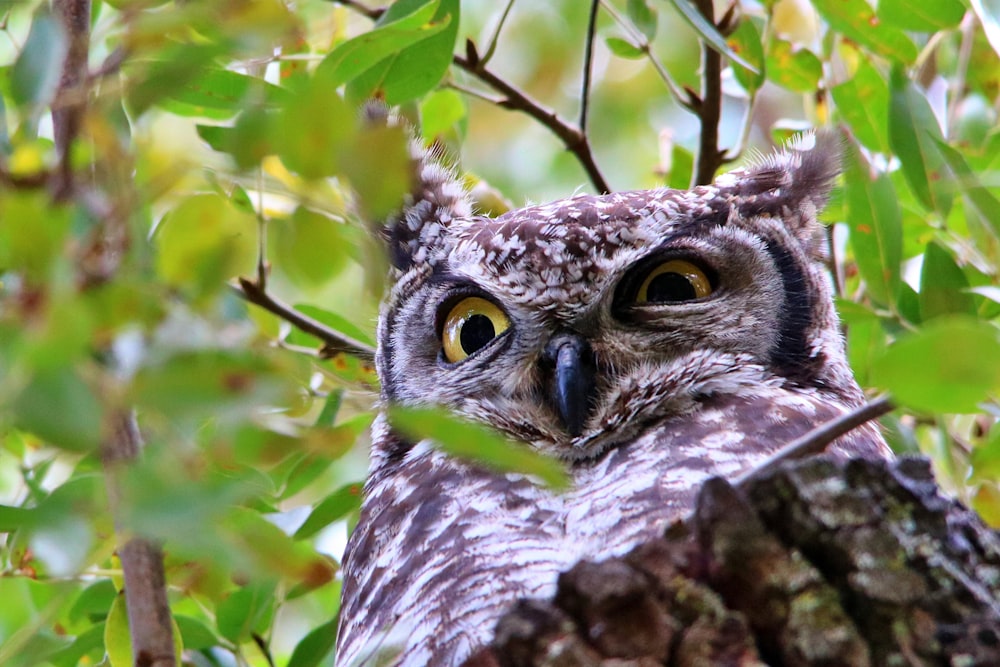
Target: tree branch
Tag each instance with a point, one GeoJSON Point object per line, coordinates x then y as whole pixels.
{"type": "Point", "coordinates": [334, 342]}
{"type": "Point", "coordinates": [817, 440]}
{"type": "Point", "coordinates": [573, 138]}
{"type": "Point", "coordinates": [71, 96]}
{"type": "Point", "coordinates": [709, 106]}
{"type": "Point", "coordinates": [142, 560]}
{"type": "Point", "coordinates": [588, 64]}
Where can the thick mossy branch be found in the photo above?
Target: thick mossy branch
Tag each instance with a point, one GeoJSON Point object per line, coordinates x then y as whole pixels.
{"type": "Point", "coordinates": [819, 562]}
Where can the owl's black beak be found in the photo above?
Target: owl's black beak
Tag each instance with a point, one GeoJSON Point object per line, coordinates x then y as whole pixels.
{"type": "Point", "coordinates": [574, 372]}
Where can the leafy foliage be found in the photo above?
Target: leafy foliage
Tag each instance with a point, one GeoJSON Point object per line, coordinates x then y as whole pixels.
{"type": "Point", "coordinates": [221, 139]}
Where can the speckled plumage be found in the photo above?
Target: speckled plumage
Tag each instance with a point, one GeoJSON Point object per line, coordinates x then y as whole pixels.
{"type": "Point", "coordinates": [681, 391]}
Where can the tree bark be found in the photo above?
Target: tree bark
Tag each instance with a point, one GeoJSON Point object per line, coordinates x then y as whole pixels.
{"type": "Point", "coordinates": [815, 563]}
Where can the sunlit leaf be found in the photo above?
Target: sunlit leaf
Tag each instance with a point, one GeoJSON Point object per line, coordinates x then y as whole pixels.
{"type": "Point", "coordinates": [951, 365]}
{"type": "Point", "coordinates": [921, 16]}
{"type": "Point", "coordinates": [398, 29]}
{"type": "Point", "coordinates": [415, 70]}
{"type": "Point", "coordinates": [746, 41]}
{"type": "Point", "coordinates": [624, 48]}
{"type": "Point", "coordinates": [793, 67]}
{"type": "Point", "coordinates": [476, 443]}
{"type": "Point", "coordinates": [863, 101]}
{"type": "Point", "coordinates": [857, 20]}
{"type": "Point", "coordinates": [440, 111]}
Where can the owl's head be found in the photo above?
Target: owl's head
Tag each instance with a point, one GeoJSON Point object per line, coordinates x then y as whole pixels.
{"type": "Point", "coordinates": [575, 324]}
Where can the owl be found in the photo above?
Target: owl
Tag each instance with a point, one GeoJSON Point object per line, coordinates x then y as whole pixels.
{"type": "Point", "coordinates": [648, 339]}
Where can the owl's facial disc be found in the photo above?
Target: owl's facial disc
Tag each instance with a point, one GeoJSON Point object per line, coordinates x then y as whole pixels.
{"type": "Point", "coordinates": [572, 373]}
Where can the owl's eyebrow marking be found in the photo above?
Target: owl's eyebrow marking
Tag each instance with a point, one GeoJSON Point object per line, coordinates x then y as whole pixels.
{"type": "Point", "coordinates": [791, 356]}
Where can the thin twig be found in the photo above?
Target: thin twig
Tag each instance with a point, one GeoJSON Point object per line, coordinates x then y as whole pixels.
{"type": "Point", "coordinates": [588, 64]}
{"type": "Point", "coordinates": [142, 560]}
{"type": "Point", "coordinates": [71, 98]}
{"type": "Point", "coordinates": [640, 42]}
{"type": "Point", "coordinates": [334, 342]}
{"type": "Point", "coordinates": [817, 440]}
{"type": "Point", "coordinates": [572, 137]}
{"type": "Point", "coordinates": [709, 106]}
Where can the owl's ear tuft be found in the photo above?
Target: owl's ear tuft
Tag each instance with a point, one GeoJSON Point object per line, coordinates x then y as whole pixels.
{"type": "Point", "coordinates": [415, 230]}
{"type": "Point", "coordinates": [794, 184]}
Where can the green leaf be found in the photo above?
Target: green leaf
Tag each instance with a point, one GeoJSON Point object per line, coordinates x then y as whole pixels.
{"type": "Point", "coordinates": [415, 70]}
{"type": "Point", "coordinates": [380, 170]}
{"type": "Point", "coordinates": [951, 366]}
{"type": "Point", "coordinates": [708, 33]}
{"type": "Point", "coordinates": [243, 611]}
{"type": "Point", "coordinates": [26, 245]}
{"type": "Point", "coordinates": [857, 20]}
{"type": "Point", "coordinates": [60, 392]}
{"type": "Point", "coordinates": [309, 247]}
{"type": "Point", "coordinates": [315, 129]}
{"type": "Point", "coordinates": [793, 67]}
{"type": "Point", "coordinates": [36, 72]}
{"type": "Point", "coordinates": [335, 506]}
{"type": "Point", "coordinates": [195, 634]}
{"type": "Point", "coordinates": [440, 111]}
{"type": "Point", "coordinates": [476, 443]}
{"type": "Point", "coordinates": [14, 518]}
{"type": "Point", "coordinates": [863, 102]}
{"type": "Point", "coordinates": [979, 199]}
{"type": "Point", "coordinates": [90, 641]}
{"type": "Point", "coordinates": [914, 134]}
{"type": "Point", "coordinates": [623, 48]}
{"type": "Point", "coordinates": [943, 286]}
{"type": "Point", "coordinates": [204, 242]}
{"type": "Point", "coordinates": [219, 93]}
{"type": "Point", "coordinates": [746, 41]}
{"type": "Point", "coordinates": [876, 228]}
{"type": "Point", "coordinates": [643, 17]}
{"type": "Point", "coordinates": [315, 646]}
{"type": "Point", "coordinates": [229, 386]}
{"type": "Point", "coordinates": [94, 603]}
{"type": "Point", "coordinates": [117, 642]}
{"type": "Point", "coordinates": [395, 32]}
{"type": "Point", "coordinates": [920, 15]}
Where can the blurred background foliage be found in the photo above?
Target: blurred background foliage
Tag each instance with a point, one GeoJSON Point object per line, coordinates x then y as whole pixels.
{"type": "Point", "coordinates": [221, 139]}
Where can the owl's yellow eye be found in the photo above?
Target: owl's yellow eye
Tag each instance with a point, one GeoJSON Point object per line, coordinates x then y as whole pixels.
{"type": "Point", "coordinates": [673, 281]}
{"type": "Point", "coordinates": [470, 326]}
